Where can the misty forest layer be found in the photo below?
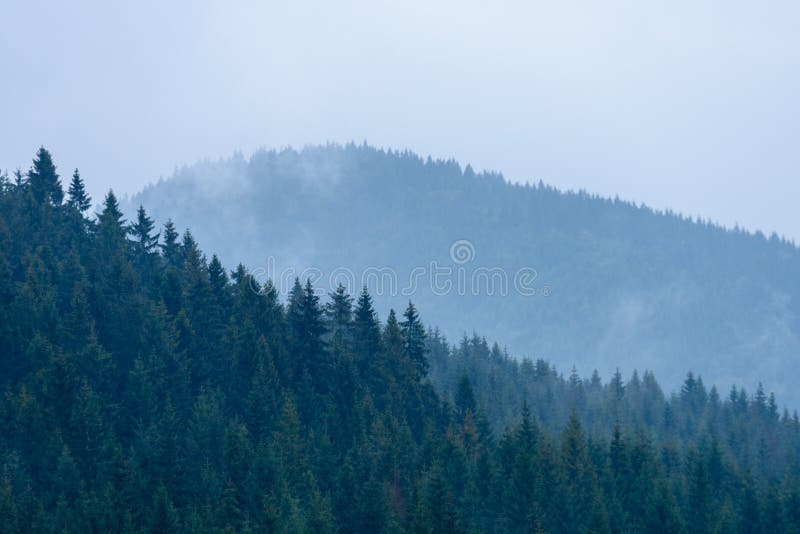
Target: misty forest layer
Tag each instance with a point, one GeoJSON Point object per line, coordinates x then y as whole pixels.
{"type": "Point", "coordinates": [147, 389]}
{"type": "Point", "coordinates": [630, 287]}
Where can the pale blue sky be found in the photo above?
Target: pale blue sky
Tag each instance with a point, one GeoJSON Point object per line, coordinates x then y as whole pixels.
{"type": "Point", "coordinates": [691, 105]}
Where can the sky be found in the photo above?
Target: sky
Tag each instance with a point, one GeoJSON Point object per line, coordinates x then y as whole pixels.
{"type": "Point", "coordinates": [688, 105]}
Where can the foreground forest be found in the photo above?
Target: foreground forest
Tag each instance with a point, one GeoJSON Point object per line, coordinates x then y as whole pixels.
{"type": "Point", "coordinates": [628, 286]}
{"type": "Point", "coordinates": [145, 388]}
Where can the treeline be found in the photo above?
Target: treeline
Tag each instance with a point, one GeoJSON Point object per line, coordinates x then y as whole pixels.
{"type": "Point", "coordinates": [750, 430]}
{"type": "Point", "coordinates": [147, 389]}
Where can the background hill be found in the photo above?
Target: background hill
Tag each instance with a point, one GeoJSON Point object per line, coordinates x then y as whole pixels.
{"type": "Point", "coordinates": [616, 285]}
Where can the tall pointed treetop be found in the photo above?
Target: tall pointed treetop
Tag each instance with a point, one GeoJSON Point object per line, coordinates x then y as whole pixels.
{"type": "Point", "coordinates": [367, 331]}
{"type": "Point", "coordinates": [110, 221]}
{"type": "Point", "coordinates": [43, 179]}
{"type": "Point", "coordinates": [142, 231]}
{"type": "Point", "coordinates": [414, 339]}
{"type": "Point", "coordinates": [78, 198]}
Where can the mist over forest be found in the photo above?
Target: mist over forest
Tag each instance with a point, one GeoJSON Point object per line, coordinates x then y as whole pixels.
{"type": "Point", "coordinates": [149, 388]}
{"type": "Point", "coordinates": [612, 285]}
{"type": "Point", "coordinates": [554, 290]}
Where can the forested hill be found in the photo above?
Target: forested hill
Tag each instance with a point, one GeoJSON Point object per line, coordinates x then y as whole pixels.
{"type": "Point", "coordinates": [616, 285]}
{"type": "Point", "coordinates": [145, 388]}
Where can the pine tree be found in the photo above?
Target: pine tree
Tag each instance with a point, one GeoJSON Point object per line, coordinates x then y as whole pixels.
{"type": "Point", "coordinates": [78, 198]}
{"type": "Point", "coordinates": [339, 316]}
{"type": "Point", "coordinates": [367, 343]}
{"type": "Point", "coordinates": [521, 484]}
{"type": "Point", "coordinates": [171, 248]}
{"type": "Point", "coordinates": [43, 179]}
{"type": "Point", "coordinates": [414, 340]}
{"type": "Point", "coordinates": [579, 482]}
{"type": "Point", "coordinates": [366, 331]}
{"type": "Point", "coordinates": [399, 365]}
{"type": "Point", "coordinates": [145, 243]}
{"type": "Point", "coordinates": [171, 283]}
{"type": "Point", "coordinates": [306, 331]}
{"type": "Point", "coordinates": [220, 291]}
{"type": "Point", "coordinates": [576, 391]}
{"type": "Point", "coordinates": [621, 480]}
{"type": "Point", "coordinates": [111, 224]}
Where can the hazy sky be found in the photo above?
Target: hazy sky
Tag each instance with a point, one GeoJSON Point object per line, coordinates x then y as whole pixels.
{"type": "Point", "coordinates": [692, 105]}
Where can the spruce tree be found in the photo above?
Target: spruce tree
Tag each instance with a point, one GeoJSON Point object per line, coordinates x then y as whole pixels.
{"type": "Point", "coordinates": [367, 341]}
{"type": "Point", "coordinates": [306, 329]}
{"type": "Point", "coordinates": [171, 248]}
{"type": "Point", "coordinates": [145, 243]}
{"type": "Point", "coordinates": [579, 483]}
{"type": "Point", "coordinates": [43, 179]}
{"type": "Point", "coordinates": [218, 279]}
{"type": "Point", "coordinates": [171, 284]}
{"type": "Point", "coordinates": [111, 224]}
{"type": "Point", "coordinates": [78, 198]}
{"type": "Point", "coordinates": [414, 340]}
{"type": "Point", "coordinates": [339, 317]}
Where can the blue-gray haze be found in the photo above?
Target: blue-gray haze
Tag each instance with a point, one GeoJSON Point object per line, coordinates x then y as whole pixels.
{"type": "Point", "coordinates": [681, 104]}
{"type": "Point", "coordinates": [591, 282]}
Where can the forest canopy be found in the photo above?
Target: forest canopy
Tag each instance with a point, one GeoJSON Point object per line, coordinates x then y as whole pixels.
{"type": "Point", "coordinates": [147, 388]}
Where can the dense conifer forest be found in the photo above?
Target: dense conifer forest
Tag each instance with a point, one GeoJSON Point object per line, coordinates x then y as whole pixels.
{"type": "Point", "coordinates": [147, 388]}
{"type": "Point", "coordinates": [629, 287]}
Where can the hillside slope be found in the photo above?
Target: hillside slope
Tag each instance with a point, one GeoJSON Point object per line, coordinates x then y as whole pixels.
{"type": "Point", "coordinates": [146, 390]}
{"type": "Point", "coordinates": [616, 285]}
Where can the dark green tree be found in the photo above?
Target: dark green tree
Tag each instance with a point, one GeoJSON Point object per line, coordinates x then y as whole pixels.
{"type": "Point", "coordinates": [366, 330]}
{"type": "Point", "coordinates": [145, 242]}
{"type": "Point", "coordinates": [43, 180]}
{"type": "Point", "coordinates": [414, 340]}
{"type": "Point", "coordinates": [78, 198]}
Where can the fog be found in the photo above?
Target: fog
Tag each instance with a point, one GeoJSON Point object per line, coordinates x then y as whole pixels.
{"type": "Point", "coordinates": [683, 105]}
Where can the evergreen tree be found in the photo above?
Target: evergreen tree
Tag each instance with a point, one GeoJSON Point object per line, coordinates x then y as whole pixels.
{"type": "Point", "coordinates": [367, 342]}
{"type": "Point", "coordinates": [78, 198]}
{"type": "Point", "coordinates": [579, 482]}
{"type": "Point", "coordinates": [145, 243]}
{"type": "Point", "coordinates": [218, 279]}
{"type": "Point", "coordinates": [339, 317]}
{"type": "Point", "coordinates": [306, 329]}
{"type": "Point", "coordinates": [43, 180]}
{"type": "Point", "coordinates": [111, 224]}
{"type": "Point", "coordinates": [366, 331]}
{"type": "Point", "coordinates": [171, 248]}
{"type": "Point", "coordinates": [414, 340]}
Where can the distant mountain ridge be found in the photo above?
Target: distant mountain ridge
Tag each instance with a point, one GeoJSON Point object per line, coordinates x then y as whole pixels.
{"type": "Point", "coordinates": [614, 285]}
